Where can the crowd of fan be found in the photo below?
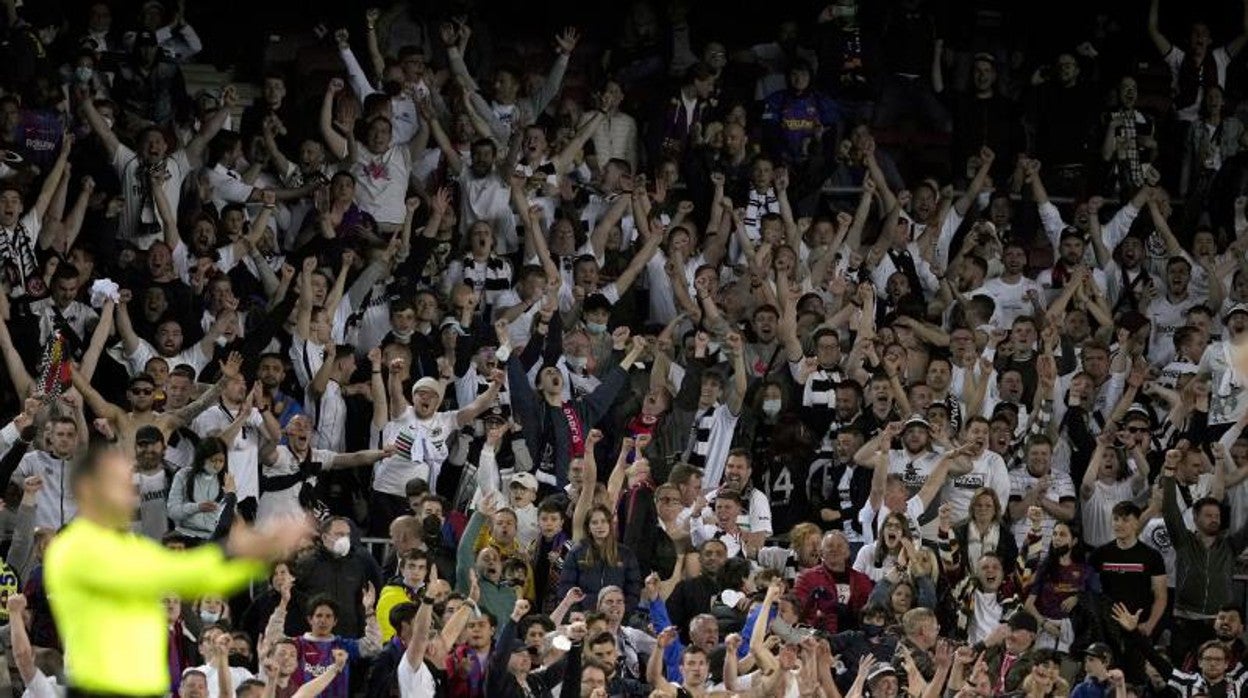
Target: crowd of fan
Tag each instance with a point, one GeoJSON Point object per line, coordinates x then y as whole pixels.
{"type": "Point", "coordinates": [671, 359]}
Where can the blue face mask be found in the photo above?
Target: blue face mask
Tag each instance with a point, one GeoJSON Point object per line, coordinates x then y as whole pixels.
{"type": "Point", "coordinates": [596, 327]}
{"type": "Point", "coordinates": [83, 74]}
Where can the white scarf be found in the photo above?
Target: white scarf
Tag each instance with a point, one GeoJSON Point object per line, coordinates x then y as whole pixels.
{"type": "Point", "coordinates": [977, 544]}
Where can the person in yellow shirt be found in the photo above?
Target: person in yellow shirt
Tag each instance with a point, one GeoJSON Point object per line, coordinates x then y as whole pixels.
{"type": "Point", "coordinates": [413, 568]}
{"type": "Point", "coordinates": [105, 584]}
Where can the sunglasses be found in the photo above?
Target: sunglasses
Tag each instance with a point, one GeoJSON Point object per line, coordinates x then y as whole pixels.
{"type": "Point", "coordinates": [141, 391]}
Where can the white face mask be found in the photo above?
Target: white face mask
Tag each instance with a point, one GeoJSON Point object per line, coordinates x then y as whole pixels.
{"type": "Point", "coordinates": [341, 547]}
{"type": "Point", "coordinates": [209, 617]}
{"type": "Point", "coordinates": [577, 363]}
{"type": "Point", "coordinates": [596, 327]}
{"type": "Point", "coordinates": [771, 408]}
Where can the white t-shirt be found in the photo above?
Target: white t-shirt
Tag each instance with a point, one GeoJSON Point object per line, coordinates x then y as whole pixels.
{"type": "Point", "coordinates": [488, 199]}
{"type": "Point", "coordinates": [1166, 317]}
{"type": "Point", "coordinates": [42, 687]}
{"type": "Point", "coordinates": [391, 474]}
{"type": "Point", "coordinates": [865, 562]}
{"type": "Point", "coordinates": [1060, 488]}
{"type": "Point", "coordinates": [1010, 298]}
{"type": "Point", "coordinates": [381, 183]}
{"type": "Point", "coordinates": [872, 519]}
{"type": "Point", "coordinates": [227, 187]}
{"type": "Point", "coordinates": [329, 415]}
{"type": "Point", "coordinates": [986, 619]}
{"type": "Point", "coordinates": [1097, 510]}
{"type": "Point", "coordinates": [431, 441]}
{"type": "Point", "coordinates": [244, 455]}
{"type": "Point", "coordinates": [914, 471]}
{"type": "Point", "coordinates": [988, 470]}
{"type": "Point", "coordinates": [192, 355]}
{"type": "Point", "coordinates": [284, 463]}
{"type": "Point", "coordinates": [415, 682]}
{"type": "Point", "coordinates": [237, 676]}
{"type": "Point", "coordinates": [140, 208]}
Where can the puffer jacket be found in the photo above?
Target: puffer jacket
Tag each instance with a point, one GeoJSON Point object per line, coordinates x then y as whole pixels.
{"type": "Point", "coordinates": [187, 518]}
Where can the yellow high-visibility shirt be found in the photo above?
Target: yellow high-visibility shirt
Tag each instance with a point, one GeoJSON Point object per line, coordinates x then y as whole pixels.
{"type": "Point", "coordinates": [105, 588]}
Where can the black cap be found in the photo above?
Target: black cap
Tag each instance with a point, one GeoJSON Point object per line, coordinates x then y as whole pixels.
{"type": "Point", "coordinates": [145, 38]}
{"type": "Point", "coordinates": [494, 414]}
{"type": "Point", "coordinates": [148, 435]}
{"type": "Point", "coordinates": [1100, 650]}
{"type": "Point", "coordinates": [1023, 621]}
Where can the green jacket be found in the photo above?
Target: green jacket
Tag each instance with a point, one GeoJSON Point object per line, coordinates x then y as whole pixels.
{"type": "Point", "coordinates": [499, 600]}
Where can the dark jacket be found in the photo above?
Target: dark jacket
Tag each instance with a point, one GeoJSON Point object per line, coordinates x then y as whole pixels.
{"type": "Point", "coordinates": [341, 579]}
{"type": "Point", "coordinates": [639, 520]}
{"type": "Point", "coordinates": [592, 578]}
{"type": "Point", "coordinates": [499, 683]}
{"type": "Point", "coordinates": [689, 598]}
{"type": "Point", "coordinates": [540, 420]}
{"type": "Point", "coordinates": [383, 677]}
{"type": "Point", "coordinates": [1202, 575]}
{"type": "Point", "coordinates": [256, 617]}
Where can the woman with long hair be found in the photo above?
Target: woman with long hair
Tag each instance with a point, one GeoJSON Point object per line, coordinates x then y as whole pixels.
{"type": "Point", "coordinates": [600, 561]}
{"type": "Point", "coordinates": [1063, 577]}
{"type": "Point", "coordinates": [198, 493]}
{"type": "Point", "coordinates": [984, 531]}
{"type": "Point", "coordinates": [877, 559]}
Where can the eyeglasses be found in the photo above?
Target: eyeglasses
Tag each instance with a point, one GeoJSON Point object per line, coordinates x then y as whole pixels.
{"type": "Point", "coordinates": [141, 391]}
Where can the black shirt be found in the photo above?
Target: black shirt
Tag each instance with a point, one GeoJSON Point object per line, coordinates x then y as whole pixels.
{"type": "Point", "coordinates": [1127, 575]}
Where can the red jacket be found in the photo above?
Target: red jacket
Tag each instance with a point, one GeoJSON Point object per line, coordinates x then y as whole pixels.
{"type": "Point", "coordinates": [831, 600]}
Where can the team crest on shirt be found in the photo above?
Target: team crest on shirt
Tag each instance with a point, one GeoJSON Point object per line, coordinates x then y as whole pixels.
{"type": "Point", "coordinates": [437, 431]}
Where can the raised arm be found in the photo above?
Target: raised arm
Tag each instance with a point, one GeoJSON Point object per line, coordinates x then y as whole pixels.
{"type": "Point", "coordinates": [23, 651]}
{"type": "Point", "coordinates": [419, 638]}
{"type": "Point", "coordinates": [99, 126]}
{"type": "Point", "coordinates": [740, 380]}
{"type": "Point", "coordinates": [1154, 31]}
{"type": "Point", "coordinates": [607, 222]}
{"type": "Point", "coordinates": [589, 482]}
{"type": "Point", "coordinates": [22, 382]}
{"type": "Point", "coordinates": [638, 263]}
{"type": "Point", "coordinates": [377, 390]}
{"type": "Point", "coordinates": [53, 180]}
{"type": "Point", "coordinates": [1237, 44]}
{"type": "Point", "coordinates": [566, 157]}
{"type": "Point", "coordinates": [454, 162]}
{"type": "Point", "coordinates": [321, 683]}
{"type": "Point", "coordinates": [371, 15]}
{"type": "Point", "coordinates": [94, 400]}
{"type": "Point", "coordinates": [199, 142]}
{"type": "Point", "coordinates": [336, 142]}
